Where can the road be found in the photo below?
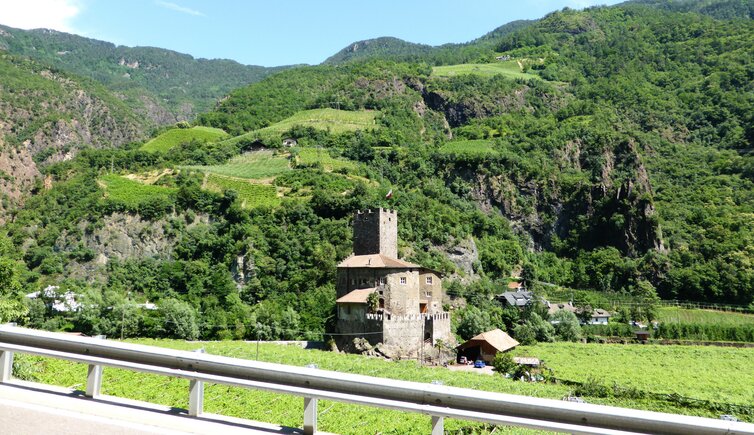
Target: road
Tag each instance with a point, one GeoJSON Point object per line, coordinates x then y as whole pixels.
{"type": "Point", "coordinates": [27, 408]}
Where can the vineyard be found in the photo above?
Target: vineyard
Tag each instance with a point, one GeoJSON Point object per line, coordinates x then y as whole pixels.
{"type": "Point", "coordinates": [333, 120]}
{"type": "Point", "coordinates": [321, 157]}
{"type": "Point", "coordinates": [251, 194]}
{"type": "Point", "coordinates": [479, 147]}
{"type": "Point", "coordinates": [700, 372]}
{"type": "Point", "coordinates": [254, 165]}
{"type": "Point", "coordinates": [510, 68]}
{"type": "Point", "coordinates": [176, 136]}
{"type": "Point", "coordinates": [132, 193]}
{"type": "Point", "coordinates": [684, 315]}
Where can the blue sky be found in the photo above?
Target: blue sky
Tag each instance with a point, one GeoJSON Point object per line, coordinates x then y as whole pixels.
{"type": "Point", "coordinates": [273, 33]}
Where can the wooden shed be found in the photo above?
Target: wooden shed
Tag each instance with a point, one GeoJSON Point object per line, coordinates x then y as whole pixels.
{"type": "Point", "coordinates": [486, 345]}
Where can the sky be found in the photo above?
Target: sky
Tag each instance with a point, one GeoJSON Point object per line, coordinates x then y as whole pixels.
{"type": "Point", "coordinates": [272, 33]}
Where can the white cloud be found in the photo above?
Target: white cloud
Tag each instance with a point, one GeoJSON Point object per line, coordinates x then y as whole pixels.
{"type": "Point", "coordinates": [33, 14]}
{"type": "Point", "coordinates": [179, 8]}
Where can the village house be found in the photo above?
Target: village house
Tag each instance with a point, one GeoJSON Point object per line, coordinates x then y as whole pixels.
{"type": "Point", "coordinates": [516, 296]}
{"type": "Point", "coordinates": [598, 315]}
{"type": "Point", "coordinates": [383, 299]}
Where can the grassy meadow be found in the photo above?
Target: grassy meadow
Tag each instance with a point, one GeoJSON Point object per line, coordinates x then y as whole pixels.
{"type": "Point", "coordinates": [132, 193]}
{"type": "Point", "coordinates": [176, 136]}
{"type": "Point", "coordinates": [509, 68]}
{"type": "Point", "coordinates": [681, 369]}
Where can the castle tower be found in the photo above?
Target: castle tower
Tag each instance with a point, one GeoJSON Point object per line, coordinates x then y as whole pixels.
{"type": "Point", "coordinates": [376, 232]}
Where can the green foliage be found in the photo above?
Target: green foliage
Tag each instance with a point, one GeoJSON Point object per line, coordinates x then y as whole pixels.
{"type": "Point", "coordinates": [180, 319]}
{"type": "Point", "coordinates": [176, 136]}
{"type": "Point", "coordinates": [567, 327]}
{"type": "Point", "coordinates": [473, 322]}
{"type": "Point", "coordinates": [471, 148]}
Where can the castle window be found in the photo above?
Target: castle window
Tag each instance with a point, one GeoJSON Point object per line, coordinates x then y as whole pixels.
{"type": "Point", "coordinates": [428, 294]}
{"type": "Point", "coordinates": [383, 281]}
{"type": "Point", "coordinates": [429, 280]}
{"type": "Point", "coordinates": [353, 281]}
{"type": "Point", "coordinates": [403, 280]}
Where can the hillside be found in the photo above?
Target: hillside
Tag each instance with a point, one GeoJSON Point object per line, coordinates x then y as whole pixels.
{"type": "Point", "coordinates": [615, 158]}
{"type": "Point", "coordinates": [47, 116]}
{"type": "Point", "coordinates": [163, 85]}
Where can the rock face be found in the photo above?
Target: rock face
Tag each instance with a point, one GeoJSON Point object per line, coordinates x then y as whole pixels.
{"type": "Point", "coordinates": [464, 254]}
{"type": "Point", "coordinates": [17, 175]}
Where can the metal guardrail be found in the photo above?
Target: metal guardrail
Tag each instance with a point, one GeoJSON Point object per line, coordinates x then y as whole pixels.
{"type": "Point", "coordinates": [312, 384]}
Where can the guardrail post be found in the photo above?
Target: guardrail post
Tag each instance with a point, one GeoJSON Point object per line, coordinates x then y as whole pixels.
{"type": "Point", "coordinates": [196, 395]}
{"type": "Point", "coordinates": [438, 425]}
{"type": "Point", "coordinates": [94, 377]}
{"type": "Point", "coordinates": [6, 366]}
{"type": "Point", "coordinates": [310, 416]}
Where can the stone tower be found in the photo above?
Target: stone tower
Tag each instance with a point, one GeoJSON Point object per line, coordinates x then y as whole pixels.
{"type": "Point", "coordinates": [376, 232]}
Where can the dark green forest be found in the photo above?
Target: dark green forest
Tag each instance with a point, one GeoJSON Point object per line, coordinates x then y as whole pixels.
{"type": "Point", "coordinates": [624, 166]}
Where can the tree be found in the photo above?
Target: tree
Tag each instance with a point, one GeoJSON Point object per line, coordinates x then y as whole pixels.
{"type": "Point", "coordinates": [180, 319]}
{"type": "Point", "coordinates": [473, 321]}
{"type": "Point", "coordinates": [567, 327]}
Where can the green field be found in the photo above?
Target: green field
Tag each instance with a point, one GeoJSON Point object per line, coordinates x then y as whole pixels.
{"type": "Point", "coordinates": [684, 315]}
{"type": "Point", "coordinates": [720, 374]}
{"type": "Point", "coordinates": [508, 68]}
{"type": "Point", "coordinates": [318, 156]}
{"type": "Point", "coordinates": [684, 369]}
{"type": "Point", "coordinates": [177, 136]}
{"type": "Point", "coordinates": [132, 193]}
{"type": "Point", "coordinates": [251, 194]}
{"type": "Point", "coordinates": [336, 121]}
{"type": "Point", "coordinates": [254, 165]}
{"type": "Point", "coordinates": [479, 147]}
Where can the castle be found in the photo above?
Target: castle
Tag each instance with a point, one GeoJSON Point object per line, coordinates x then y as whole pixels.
{"type": "Point", "coordinates": [383, 299]}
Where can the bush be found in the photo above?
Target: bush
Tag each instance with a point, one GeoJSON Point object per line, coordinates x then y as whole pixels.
{"type": "Point", "coordinates": [504, 363]}
{"type": "Point", "coordinates": [567, 328]}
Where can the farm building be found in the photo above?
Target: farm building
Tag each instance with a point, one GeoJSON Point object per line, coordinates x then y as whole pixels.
{"type": "Point", "coordinates": [383, 299]}
{"type": "Point", "coordinates": [486, 345]}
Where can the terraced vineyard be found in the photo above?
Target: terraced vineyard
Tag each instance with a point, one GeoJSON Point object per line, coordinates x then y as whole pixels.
{"type": "Point", "coordinates": [336, 121]}
{"type": "Point", "coordinates": [176, 136]}
{"type": "Point", "coordinates": [251, 194]}
{"type": "Point", "coordinates": [132, 193]}
{"type": "Point", "coordinates": [509, 68]}
{"type": "Point", "coordinates": [254, 165]}
{"type": "Point", "coordinates": [318, 156]}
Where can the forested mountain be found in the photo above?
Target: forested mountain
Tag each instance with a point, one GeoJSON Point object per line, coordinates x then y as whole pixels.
{"type": "Point", "coordinates": [395, 49]}
{"type": "Point", "coordinates": [164, 85]}
{"type": "Point", "coordinates": [609, 149]}
{"type": "Point", "coordinates": [725, 9]}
